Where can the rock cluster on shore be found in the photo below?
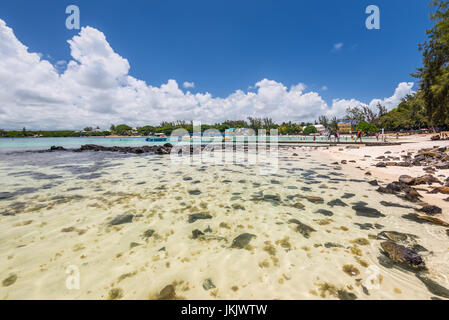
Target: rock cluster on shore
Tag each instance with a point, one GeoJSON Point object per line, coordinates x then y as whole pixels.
{"type": "Point", "coordinates": [432, 159]}
{"type": "Point", "coordinates": [165, 149]}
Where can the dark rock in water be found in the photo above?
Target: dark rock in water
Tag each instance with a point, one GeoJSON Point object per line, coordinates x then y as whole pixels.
{"type": "Point", "coordinates": [374, 183]}
{"type": "Point", "coordinates": [363, 211]}
{"type": "Point", "coordinates": [198, 216]}
{"type": "Point", "coordinates": [365, 226]}
{"type": "Point", "coordinates": [345, 295]}
{"type": "Point", "coordinates": [242, 240]}
{"type": "Point", "coordinates": [269, 197]}
{"type": "Point", "coordinates": [412, 195]}
{"type": "Point", "coordinates": [54, 148]}
{"type": "Point", "coordinates": [208, 230]}
{"type": "Point", "coordinates": [149, 233]}
{"type": "Point", "coordinates": [402, 255]}
{"type": "Point", "coordinates": [395, 205]}
{"type": "Point", "coordinates": [348, 196]}
{"type": "Point", "coordinates": [381, 164]}
{"type": "Point", "coordinates": [325, 212]}
{"type": "Point", "coordinates": [302, 228]}
{"type": "Point", "coordinates": [10, 280]}
{"type": "Point", "coordinates": [395, 236]}
{"type": "Point", "coordinates": [432, 286]}
{"type": "Point", "coordinates": [419, 248]}
{"type": "Point", "coordinates": [208, 284]}
{"type": "Point", "coordinates": [134, 244]}
{"type": "Point", "coordinates": [425, 219]}
{"type": "Point", "coordinates": [330, 245]}
{"type": "Point", "coordinates": [447, 232]}
{"type": "Point", "coordinates": [237, 206]}
{"type": "Point", "coordinates": [187, 178]}
{"type": "Point", "coordinates": [275, 182]}
{"type": "Point", "coordinates": [121, 219]}
{"type": "Point", "coordinates": [431, 210]}
{"type": "Point", "coordinates": [168, 293]}
{"type": "Point", "coordinates": [298, 205]}
{"type": "Point", "coordinates": [160, 150]}
{"type": "Point", "coordinates": [315, 199]}
{"type": "Point", "coordinates": [196, 233]}
{"type": "Point", "coordinates": [194, 192]}
{"type": "Point", "coordinates": [337, 202]}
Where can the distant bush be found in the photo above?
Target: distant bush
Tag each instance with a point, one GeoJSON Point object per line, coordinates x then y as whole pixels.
{"type": "Point", "coordinates": [310, 129]}
{"type": "Point", "coordinates": [367, 127]}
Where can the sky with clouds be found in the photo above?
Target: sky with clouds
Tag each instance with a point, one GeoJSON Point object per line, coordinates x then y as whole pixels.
{"type": "Point", "coordinates": [94, 85]}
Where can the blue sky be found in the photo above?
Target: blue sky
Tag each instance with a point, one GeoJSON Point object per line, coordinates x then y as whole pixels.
{"type": "Point", "coordinates": [224, 46]}
{"type": "Point", "coordinates": [227, 45]}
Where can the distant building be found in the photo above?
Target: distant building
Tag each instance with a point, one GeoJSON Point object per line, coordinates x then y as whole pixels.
{"type": "Point", "coordinates": [321, 129]}
{"type": "Point", "coordinates": [345, 127]}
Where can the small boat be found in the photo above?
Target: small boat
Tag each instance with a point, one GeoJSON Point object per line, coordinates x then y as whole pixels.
{"type": "Point", "coordinates": [158, 137]}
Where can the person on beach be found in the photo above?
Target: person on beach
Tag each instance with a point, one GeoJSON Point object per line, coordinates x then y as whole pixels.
{"type": "Point", "coordinates": [337, 136]}
{"type": "Point", "coordinates": [359, 136]}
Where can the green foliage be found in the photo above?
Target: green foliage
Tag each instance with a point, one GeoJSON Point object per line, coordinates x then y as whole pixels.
{"type": "Point", "coordinates": [434, 75]}
{"type": "Point", "coordinates": [290, 128]}
{"type": "Point", "coordinates": [366, 127]}
{"type": "Point", "coordinates": [410, 114]}
{"type": "Point", "coordinates": [333, 124]}
{"type": "Point", "coordinates": [123, 130]}
{"type": "Point", "coordinates": [310, 129]}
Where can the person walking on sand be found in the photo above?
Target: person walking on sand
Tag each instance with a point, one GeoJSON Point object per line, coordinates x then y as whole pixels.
{"type": "Point", "coordinates": [359, 136]}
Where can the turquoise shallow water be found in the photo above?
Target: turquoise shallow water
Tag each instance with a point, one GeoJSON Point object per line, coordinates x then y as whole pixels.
{"type": "Point", "coordinates": [14, 144]}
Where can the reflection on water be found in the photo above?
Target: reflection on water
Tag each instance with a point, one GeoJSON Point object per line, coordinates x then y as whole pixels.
{"type": "Point", "coordinates": [132, 225]}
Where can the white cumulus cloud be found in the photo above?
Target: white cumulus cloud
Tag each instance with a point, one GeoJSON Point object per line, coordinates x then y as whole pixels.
{"type": "Point", "coordinates": [95, 88]}
{"type": "Point", "coordinates": [188, 85]}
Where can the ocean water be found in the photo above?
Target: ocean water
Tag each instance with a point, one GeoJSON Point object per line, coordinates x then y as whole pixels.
{"type": "Point", "coordinates": [56, 240]}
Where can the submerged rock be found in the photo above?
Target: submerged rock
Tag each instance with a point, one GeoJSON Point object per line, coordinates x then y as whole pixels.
{"type": "Point", "coordinates": [168, 293]}
{"type": "Point", "coordinates": [433, 287]}
{"type": "Point", "coordinates": [345, 295]}
{"type": "Point", "coordinates": [395, 205]}
{"type": "Point", "coordinates": [242, 240]}
{"type": "Point", "coordinates": [198, 216]}
{"type": "Point", "coordinates": [315, 199]}
{"type": "Point", "coordinates": [395, 236]}
{"type": "Point", "coordinates": [208, 284]}
{"type": "Point", "coordinates": [148, 233]}
{"type": "Point", "coordinates": [9, 281]}
{"type": "Point", "coordinates": [364, 211]}
{"type": "Point", "coordinates": [431, 210]}
{"type": "Point", "coordinates": [197, 233]}
{"type": "Point", "coordinates": [402, 255]}
{"type": "Point", "coordinates": [121, 219]}
{"type": "Point", "coordinates": [325, 212]}
{"type": "Point", "coordinates": [302, 228]}
{"type": "Point", "coordinates": [425, 219]}
{"type": "Point", "coordinates": [337, 202]}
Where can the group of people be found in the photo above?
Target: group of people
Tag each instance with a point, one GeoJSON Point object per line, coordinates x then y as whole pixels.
{"type": "Point", "coordinates": [336, 135]}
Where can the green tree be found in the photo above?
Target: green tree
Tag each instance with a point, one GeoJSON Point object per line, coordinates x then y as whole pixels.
{"type": "Point", "coordinates": [366, 127]}
{"type": "Point", "coordinates": [310, 129]}
{"type": "Point", "coordinates": [434, 75]}
{"type": "Point", "coordinates": [323, 120]}
{"type": "Point", "coordinates": [123, 130]}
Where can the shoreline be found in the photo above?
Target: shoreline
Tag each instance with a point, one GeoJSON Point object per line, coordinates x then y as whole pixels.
{"type": "Point", "coordinates": [364, 158]}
